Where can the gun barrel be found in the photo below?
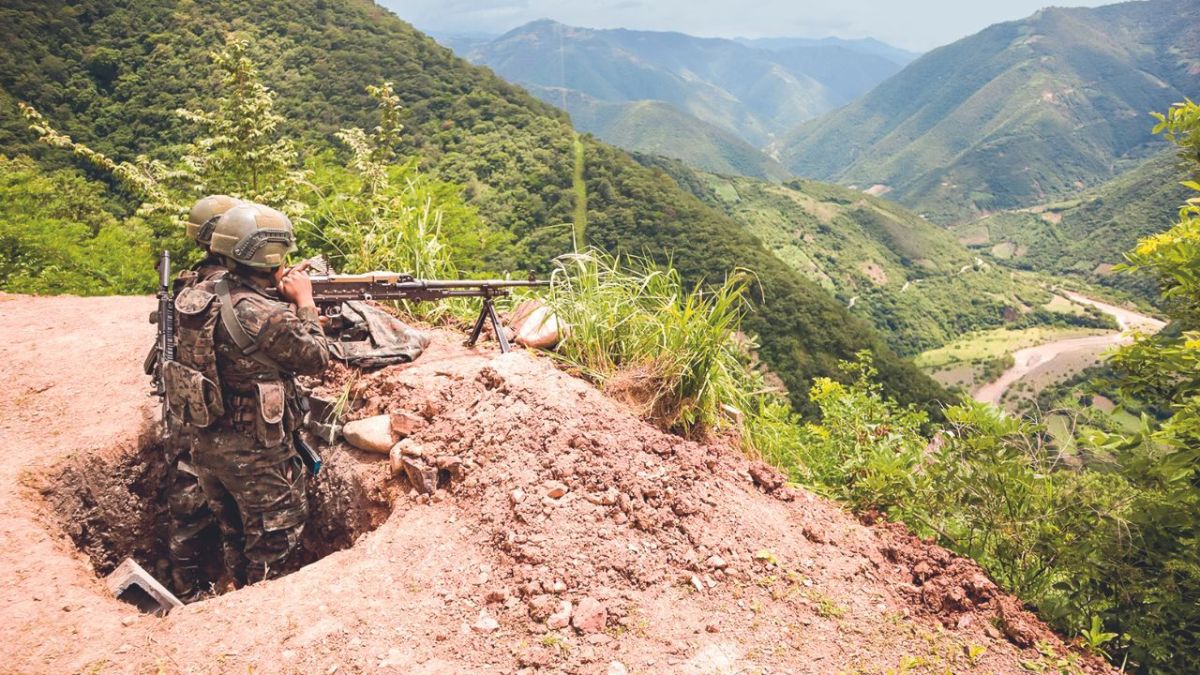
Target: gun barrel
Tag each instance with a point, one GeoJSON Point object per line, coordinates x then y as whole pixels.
{"type": "Point", "coordinates": [164, 269]}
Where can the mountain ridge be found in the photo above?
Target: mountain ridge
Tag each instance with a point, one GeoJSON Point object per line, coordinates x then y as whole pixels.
{"type": "Point", "coordinates": [1012, 115]}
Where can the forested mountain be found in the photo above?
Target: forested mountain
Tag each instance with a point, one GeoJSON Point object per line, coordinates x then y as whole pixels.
{"type": "Point", "coordinates": [112, 73]}
{"type": "Point", "coordinates": [910, 278]}
{"type": "Point", "coordinates": [1087, 235]}
{"type": "Point", "coordinates": [754, 93]}
{"type": "Point", "coordinates": [1019, 114]}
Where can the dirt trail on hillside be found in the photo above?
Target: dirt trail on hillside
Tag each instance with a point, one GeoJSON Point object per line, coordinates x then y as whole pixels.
{"type": "Point", "coordinates": [571, 537]}
{"type": "Point", "coordinates": [1030, 359]}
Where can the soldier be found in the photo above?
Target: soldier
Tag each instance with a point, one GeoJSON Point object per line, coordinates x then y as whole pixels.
{"type": "Point", "coordinates": [189, 515]}
{"type": "Point", "coordinates": [240, 344]}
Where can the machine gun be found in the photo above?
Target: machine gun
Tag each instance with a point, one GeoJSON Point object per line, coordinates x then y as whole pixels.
{"type": "Point", "coordinates": [330, 290]}
{"type": "Point", "coordinates": [164, 343]}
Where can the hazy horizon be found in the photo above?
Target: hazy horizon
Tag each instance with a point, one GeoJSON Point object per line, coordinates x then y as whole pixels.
{"type": "Point", "coordinates": [916, 25]}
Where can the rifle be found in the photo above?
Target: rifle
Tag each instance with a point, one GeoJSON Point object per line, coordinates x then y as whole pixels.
{"type": "Point", "coordinates": [164, 343]}
{"type": "Point", "coordinates": [330, 290]}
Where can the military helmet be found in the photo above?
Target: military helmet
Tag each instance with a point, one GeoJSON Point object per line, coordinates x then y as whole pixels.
{"type": "Point", "coordinates": [253, 235]}
{"type": "Point", "coordinates": [203, 216]}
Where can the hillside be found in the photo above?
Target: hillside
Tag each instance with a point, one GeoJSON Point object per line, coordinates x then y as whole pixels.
{"type": "Point", "coordinates": [909, 278]}
{"type": "Point", "coordinates": [662, 555]}
{"type": "Point", "coordinates": [1087, 235]}
{"type": "Point", "coordinates": [753, 93]}
{"type": "Point", "coordinates": [1019, 114]}
{"type": "Point", "coordinates": [124, 70]}
{"type": "Point", "coordinates": [659, 128]}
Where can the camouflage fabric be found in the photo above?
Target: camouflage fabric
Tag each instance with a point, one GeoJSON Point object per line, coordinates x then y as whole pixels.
{"type": "Point", "coordinates": [191, 525]}
{"type": "Point", "coordinates": [261, 515]}
{"type": "Point", "coordinates": [245, 460]}
{"type": "Point", "coordinates": [211, 267]}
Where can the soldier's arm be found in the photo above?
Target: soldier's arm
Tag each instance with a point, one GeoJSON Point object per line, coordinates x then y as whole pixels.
{"type": "Point", "coordinates": [292, 338]}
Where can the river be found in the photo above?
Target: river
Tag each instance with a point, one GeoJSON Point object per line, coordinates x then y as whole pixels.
{"type": "Point", "coordinates": [1027, 360]}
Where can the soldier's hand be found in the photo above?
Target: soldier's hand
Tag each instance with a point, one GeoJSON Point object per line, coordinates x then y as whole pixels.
{"type": "Point", "coordinates": [296, 287]}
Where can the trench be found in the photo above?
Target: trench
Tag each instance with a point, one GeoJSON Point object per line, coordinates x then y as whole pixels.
{"type": "Point", "coordinates": [113, 505]}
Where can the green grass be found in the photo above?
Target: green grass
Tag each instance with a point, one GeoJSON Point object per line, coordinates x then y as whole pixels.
{"type": "Point", "coordinates": [579, 188]}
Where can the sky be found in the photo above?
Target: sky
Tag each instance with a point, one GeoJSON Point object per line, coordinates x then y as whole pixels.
{"type": "Point", "coordinates": [917, 25]}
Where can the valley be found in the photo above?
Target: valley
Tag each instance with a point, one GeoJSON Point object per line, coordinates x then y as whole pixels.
{"type": "Point", "coordinates": [1042, 364]}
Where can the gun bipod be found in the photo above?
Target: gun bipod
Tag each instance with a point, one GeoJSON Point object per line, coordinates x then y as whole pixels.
{"type": "Point", "coordinates": [486, 312]}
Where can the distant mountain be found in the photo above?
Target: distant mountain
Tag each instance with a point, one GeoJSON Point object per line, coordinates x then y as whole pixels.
{"type": "Point", "coordinates": [910, 278]}
{"type": "Point", "coordinates": [660, 128]}
{"type": "Point", "coordinates": [871, 46]}
{"type": "Point", "coordinates": [752, 93]}
{"type": "Point", "coordinates": [463, 43]}
{"type": "Point", "coordinates": [1087, 235]}
{"type": "Point", "coordinates": [1018, 114]}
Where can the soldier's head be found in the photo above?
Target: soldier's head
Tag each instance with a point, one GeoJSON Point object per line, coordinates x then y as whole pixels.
{"type": "Point", "coordinates": [204, 215]}
{"type": "Point", "coordinates": [253, 238]}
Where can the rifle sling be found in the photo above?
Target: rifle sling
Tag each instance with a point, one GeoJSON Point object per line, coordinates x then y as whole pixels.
{"type": "Point", "coordinates": [234, 327]}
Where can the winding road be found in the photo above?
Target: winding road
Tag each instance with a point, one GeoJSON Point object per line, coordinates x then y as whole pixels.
{"type": "Point", "coordinates": [1029, 359]}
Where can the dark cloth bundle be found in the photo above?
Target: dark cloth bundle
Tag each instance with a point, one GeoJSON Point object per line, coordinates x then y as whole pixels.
{"type": "Point", "coordinates": [365, 336]}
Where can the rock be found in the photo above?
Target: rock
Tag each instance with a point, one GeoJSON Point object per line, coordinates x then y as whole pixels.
{"type": "Point", "coordinates": [373, 434]}
{"type": "Point", "coordinates": [129, 620]}
{"type": "Point", "coordinates": [766, 476]}
{"type": "Point", "coordinates": [541, 607]}
{"type": "Point", "coordinates": [813, 534]}
{"type": "Point", "coordinates": [561, 618]}
{"type": "Point", "coordinates": [712, 628]}
{"type": "Point", "coordinates": [696, 583]}
{"type": "Point", "coordinates": [516, 496]}
{"type": "Point", "coordinates": [485, 624]}
{"type": "Point", "coordinates": [495, 595]}
{"type": "Point", "coordinates": [616, 668]}
{"type": "Point", "coordinates": [590, 616]}
{"type": "Point", "coordinates": [404, 424]}
{"type": "Point", "coordinates": [420, 475]}
{"type": "Point", "coordinates": [554, 489]}
{"type": "Point", "coordinates": [716, 562]}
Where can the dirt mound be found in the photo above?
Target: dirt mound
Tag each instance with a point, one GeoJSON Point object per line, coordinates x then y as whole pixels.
{"type": "Point", "coordinates": [569, 537]}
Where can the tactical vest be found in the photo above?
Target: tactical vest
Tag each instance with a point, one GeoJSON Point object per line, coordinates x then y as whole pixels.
{"type": "Point", "coordinates": [192, 382]}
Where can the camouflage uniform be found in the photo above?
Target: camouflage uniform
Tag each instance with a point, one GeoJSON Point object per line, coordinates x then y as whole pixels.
{"type": "Point", "coordinates": [189, 517]}
{"type": "Point", "coordinates": [245, 459]}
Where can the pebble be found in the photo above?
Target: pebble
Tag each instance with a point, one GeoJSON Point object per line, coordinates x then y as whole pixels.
{"type": "Point", "coordinates": [561, 618]}
{"type": "Point", "coordinates": [716, 562]}
{"type": "Point", "coordinates": [555, 489]}
{"type": "Point", "coordinates": [616, 668]}
{"type": "Point", "coordinates": [516, 496]}
{"type": "Point", "coordinates": [129, 620]}
{"type": "Point", "coordinates": [123, 649]}
{"type": "Point", "coordinates": [697, 584]}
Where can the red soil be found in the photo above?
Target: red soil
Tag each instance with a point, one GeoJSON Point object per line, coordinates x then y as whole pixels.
{"type": "Point", "coordinates": [674, 556]}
